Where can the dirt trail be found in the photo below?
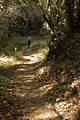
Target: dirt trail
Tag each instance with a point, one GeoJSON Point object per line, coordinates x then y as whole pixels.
{"type": "Point", "coordinates": [28, 95]}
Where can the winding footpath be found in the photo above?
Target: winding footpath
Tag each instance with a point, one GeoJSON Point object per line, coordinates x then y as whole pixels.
{"type": "Point", "coordinates": [30, 104]}
{"type": "Point", "coordinates": [29, 98]}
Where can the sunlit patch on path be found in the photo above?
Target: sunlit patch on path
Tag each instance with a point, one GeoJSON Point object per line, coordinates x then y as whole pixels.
{"type": "Point", "coordinates": [36, 57]}
{"type": "Point", "coordinates": [8, 60]}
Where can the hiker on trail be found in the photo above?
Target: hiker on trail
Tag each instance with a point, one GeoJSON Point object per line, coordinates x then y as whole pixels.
{"type": "Point", "coordinates": [29, 41]}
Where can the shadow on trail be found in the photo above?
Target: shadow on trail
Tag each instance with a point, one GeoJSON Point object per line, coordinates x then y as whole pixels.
{"type": "Point", "coordinates": [26, 97]}
{"type": "Point", "coordinates": [25, 100]}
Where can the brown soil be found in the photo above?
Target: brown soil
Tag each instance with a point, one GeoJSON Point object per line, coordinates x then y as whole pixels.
{"type": "Point", "coordinates": [28, 100]}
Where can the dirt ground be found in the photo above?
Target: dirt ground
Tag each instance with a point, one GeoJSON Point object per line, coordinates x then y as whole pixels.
{"type": "Point", "coordinates": [28, 96]}
{"type": "Point", "coordinates": [28, 100]}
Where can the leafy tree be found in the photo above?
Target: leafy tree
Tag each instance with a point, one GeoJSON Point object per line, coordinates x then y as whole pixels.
{"type": "Point", "coordinates": [8, 13]}
{"type": "Point", "coordinates": [62, 17]}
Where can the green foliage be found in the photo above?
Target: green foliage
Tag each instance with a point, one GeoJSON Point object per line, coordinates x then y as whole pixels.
{"type": "Point", "coordinates": [6, 73]}
{"type": "Point", "coordinates": [7, 70]}
{"type": "Point", "coordinates": [36, 38]}
{"type": "Point", "coordinates": [12, 46]}
{"type": "Point", "coordinates": [59, 89]}
{"type": "Point", "coordinates": [9, 45]}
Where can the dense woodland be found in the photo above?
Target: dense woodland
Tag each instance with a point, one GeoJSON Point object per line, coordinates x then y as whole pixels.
{"type": "Point", "coordinates": [60, 19]}
{"type": "Point", "coordinates": [55, 20]}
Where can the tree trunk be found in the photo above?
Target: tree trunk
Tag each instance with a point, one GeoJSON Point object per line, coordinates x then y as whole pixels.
{"type": "Point", "coordinates": [78, 16]}
{"type": "Point", "coordinates": [69, 18]}
{"type": "Point", "coordinates": [49, 23]}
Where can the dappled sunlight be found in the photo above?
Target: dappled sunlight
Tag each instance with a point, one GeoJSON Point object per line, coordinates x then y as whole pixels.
{"type": "Point", "coordinates": [66, 109]}
{"type": "Point", "coordinates": [45, 115]}
{"type": "Point", "coordinates": [44, 89]}
{"type": "Point", "coordinates": [31, 59]}
{"type": "Point", "coordinates": [39, 56]}
{"type": "Point", "coordinates": [22, 69]}
{"type": "Point", "coordinates": [60, 110]}
{"type": "Point", "coordinates": [8, 60]}
{"type": "Point", "coordinates": [42, 70]}
{"type": "Point", "coordinates": [28, 96]}
{"type": "Point", "coordinates": [19, 94]}
{"type": "Point", "coordinates": [25, 77]}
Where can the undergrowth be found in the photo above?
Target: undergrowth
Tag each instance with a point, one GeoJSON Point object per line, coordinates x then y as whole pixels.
{"type": "Point", "coordinates": [63, 72]}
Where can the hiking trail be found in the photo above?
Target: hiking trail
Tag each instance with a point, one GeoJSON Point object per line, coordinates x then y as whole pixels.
{"type": "Point", "coordinates": [28, 95]}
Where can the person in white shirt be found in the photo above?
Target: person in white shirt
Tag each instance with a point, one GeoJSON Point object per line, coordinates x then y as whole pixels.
{"type": "Point", "coordinates": [29, 41]}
